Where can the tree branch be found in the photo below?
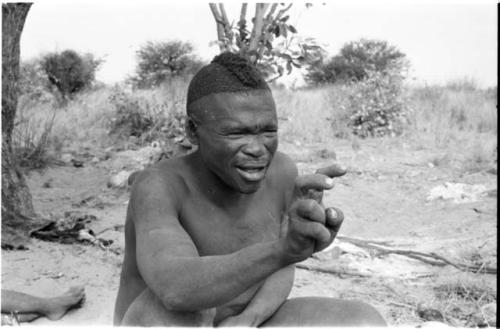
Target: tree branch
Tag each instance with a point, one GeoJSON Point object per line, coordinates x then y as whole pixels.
{"type": "Point", "coordinates": [260, 9]}
{"type": "Point", "coordinates": [225, 22]}
{"type": "Point", "coordinates": [271, 12]}
{"type": "Point", "coordinates": [283, 11]}
{"type": "Point", "coordinates": [242, 27]}
{"type": "Point", "coordinates": [243, 14]}
{"type": "Point", "coordinates": [220, 26]}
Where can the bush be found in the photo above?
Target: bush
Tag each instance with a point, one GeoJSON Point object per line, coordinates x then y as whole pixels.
{"type": "Point", "coordinates": [356, 60]}
{"type": "Point", "coordinates": [158, 62]}
{"type": "Point", "coordinates": [144, 119]}
{"type": "Point", "coordinates": [466, 84]}
{"type": "Point", "coordinates": [70, 72]}
{"type": "Point", "coordinates": [33, 81]}
{"type": "Point", "coordinates": [131, 119]}
{"type": "Point", "coordinates": [32, 151]}
{"type": "Point", "coordinates": [335, 70]}
{"type": "Point", "coordinates": [377, 106]}
{"type": "Point", "coordinates": [32, 135]}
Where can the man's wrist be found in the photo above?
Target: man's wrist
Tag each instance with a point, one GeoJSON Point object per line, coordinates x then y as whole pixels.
{"type": "Point", "coordinates": [244, 319]}
{"type": "Point", "coordinates": [281, 254]}
{"type": "Point", "coordinates": [252, 317]}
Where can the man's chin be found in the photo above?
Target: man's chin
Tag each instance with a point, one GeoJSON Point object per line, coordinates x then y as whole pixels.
{"type": "Point", "coordinates": [249, 188]}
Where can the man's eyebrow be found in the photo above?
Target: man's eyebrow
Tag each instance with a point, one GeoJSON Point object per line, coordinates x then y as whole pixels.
{"type": "Point", "coordinates": [240, 126]}
{"type": "Point", "coordinates": [231, 124]}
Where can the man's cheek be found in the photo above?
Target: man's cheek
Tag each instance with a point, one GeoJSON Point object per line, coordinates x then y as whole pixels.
{"type": "Point", "coordinates": [272, 145]}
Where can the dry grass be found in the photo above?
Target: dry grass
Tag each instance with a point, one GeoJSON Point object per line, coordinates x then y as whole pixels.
{"type": "Point", "coordinates": [303, 115]}
{"type": "Point", "coordinates": [458, 123]}
{"type": "Point", "coordinates": [311, 115]}
{"type": "Point", "coordinates": [462, 124]}
{"type": "Point", "coordinates": [88, 118]}
{"type": "Point", "coordinates": [462, 299]}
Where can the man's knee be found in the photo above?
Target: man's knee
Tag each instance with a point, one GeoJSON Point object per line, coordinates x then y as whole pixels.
{"type": "Point", "coordinates": [147, 310]}
{"type": "Point", "coordinates": [328, 312]}
{"type": "Point", "coordinates": [364, 314]}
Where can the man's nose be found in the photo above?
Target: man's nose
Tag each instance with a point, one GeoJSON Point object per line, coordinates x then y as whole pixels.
{"type": "Point", "coordinates": [255, 146]}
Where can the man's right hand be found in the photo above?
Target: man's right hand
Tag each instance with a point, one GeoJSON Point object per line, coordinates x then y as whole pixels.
{"type": "Point", "coordinates": [306, 228]}
{"type": "Point", "coordinates": [310, 227]}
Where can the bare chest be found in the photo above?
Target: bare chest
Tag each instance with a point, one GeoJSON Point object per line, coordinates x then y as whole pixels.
{"type": "Point", "coordinates": [217, 230]}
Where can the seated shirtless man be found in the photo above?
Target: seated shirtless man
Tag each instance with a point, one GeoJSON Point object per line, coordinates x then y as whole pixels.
{"type": "Point", "coordinates": [212, 237]}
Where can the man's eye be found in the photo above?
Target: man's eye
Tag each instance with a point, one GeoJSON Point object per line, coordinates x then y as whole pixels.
{"type": "Point", "coordinates": [234, 134]}
{"type": "Point", "coordinates": [270, 132]}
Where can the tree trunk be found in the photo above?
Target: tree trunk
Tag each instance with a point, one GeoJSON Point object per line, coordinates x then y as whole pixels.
{"type": "Point", "coordinates": [17, 206]}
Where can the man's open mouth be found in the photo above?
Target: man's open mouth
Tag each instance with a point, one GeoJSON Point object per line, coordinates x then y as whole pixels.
{"type": "Point", "coordinates": [252, 173]}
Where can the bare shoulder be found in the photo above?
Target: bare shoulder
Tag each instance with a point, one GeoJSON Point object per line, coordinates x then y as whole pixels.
{"type": "Point", "coordinates": [282, 173]}
{"type": "Point", "coordinates": [163, 182]}
{"type": "Point", "coordinates": [283, 167]}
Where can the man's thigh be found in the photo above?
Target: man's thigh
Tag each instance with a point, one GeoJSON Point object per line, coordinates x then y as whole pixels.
{"type": "Point", "coordinates": [148, 311]}
{"type": "Point", "coordinates": [323, 311]}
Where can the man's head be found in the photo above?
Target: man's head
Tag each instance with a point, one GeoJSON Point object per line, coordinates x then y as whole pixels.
{"type": "Point", "coordinates": [232, 119]}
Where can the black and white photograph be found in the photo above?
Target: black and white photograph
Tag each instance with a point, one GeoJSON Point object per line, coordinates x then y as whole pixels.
{"type": "Point", "coordinates": [249, 164]}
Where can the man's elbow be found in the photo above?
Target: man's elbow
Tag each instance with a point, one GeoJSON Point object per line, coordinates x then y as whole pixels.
{"type": "Point", "coordinates": [181, 301]}
{"type": "Point", "coordinates": [179, 304]}
{"type": "Point", "coordinates": [175, 301]}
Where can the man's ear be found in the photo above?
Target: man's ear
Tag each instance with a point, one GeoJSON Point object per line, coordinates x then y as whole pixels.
{"type": "Point", "coordinates": [191, 129]}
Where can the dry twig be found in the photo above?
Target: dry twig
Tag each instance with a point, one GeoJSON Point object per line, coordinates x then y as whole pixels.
{"type": "Point", "coordinates": [428, 258]}
{"type": "Point", "coordinates": [332, 270]}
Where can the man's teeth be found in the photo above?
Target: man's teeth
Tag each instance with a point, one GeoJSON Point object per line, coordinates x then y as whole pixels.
{"type": "Point", "coordinates": [252, 173]}
{"type": "Point", "coordinates": [252, 169]}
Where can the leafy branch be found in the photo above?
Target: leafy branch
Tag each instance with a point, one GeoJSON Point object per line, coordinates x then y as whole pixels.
{"type": "Point", "coordinates": [272, 42]}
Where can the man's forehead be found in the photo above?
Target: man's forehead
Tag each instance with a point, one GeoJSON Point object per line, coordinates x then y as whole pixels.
{"type": "Point", "coordinates": [243, 97]}
{"type": "Point", "coordinates": [218, 105]}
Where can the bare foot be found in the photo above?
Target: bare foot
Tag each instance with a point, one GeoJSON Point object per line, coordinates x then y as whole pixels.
{"type": "Point", "coordinates": [58, 306]}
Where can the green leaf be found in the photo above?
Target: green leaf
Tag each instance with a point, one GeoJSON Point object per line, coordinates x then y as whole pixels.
{"type": "Point", "coordinates": [292, 29]}
{"type": "Point", "coordinates": [289, 66]}
{"type": "Point", "coordinates": [283, 30]}
{"type": "Point", "coordinates": [285, 56]}
{"type": "Point", "coordinates": [277, 30]}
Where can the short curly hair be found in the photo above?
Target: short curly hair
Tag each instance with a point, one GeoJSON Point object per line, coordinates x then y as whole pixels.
{"type": "Point", "coordinates": [228, 72]}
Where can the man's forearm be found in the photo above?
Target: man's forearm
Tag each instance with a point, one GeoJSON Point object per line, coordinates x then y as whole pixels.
{"type": "Point", "coordinates": [196, 283]}
{"type": "Point", "coordinates": [270, 296]}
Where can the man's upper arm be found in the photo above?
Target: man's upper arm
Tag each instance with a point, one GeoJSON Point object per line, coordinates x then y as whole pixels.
{"type": "Point", "coordinates": [287, 174]}
{"type": "Point", "coordinates": [159, 234]}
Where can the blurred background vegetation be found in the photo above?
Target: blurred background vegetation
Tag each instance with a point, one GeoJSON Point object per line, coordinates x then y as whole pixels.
{"type": "Point", "coordinates": [361, 92]}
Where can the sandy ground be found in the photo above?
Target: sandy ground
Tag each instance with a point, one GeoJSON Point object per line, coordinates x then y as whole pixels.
{"type": "Point", "coordinates": [383, 197]}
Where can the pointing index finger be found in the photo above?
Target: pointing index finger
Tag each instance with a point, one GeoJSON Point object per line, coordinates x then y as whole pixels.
{"type": "Point", "coordinates": [334, 170]}
{"type": "Point", "coordinates": [315, 181]}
